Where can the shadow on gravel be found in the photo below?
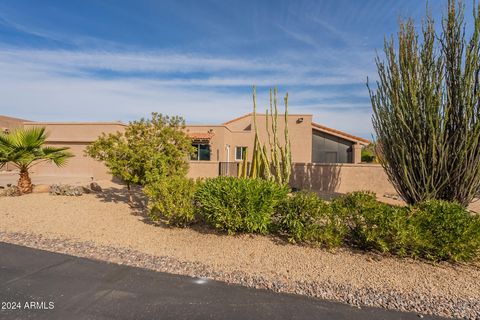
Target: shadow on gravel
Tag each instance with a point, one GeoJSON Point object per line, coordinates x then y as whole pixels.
{"type": "Point", "coordinates": [121, 195]}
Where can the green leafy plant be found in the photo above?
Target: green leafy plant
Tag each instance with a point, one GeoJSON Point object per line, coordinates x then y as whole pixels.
{"type": "Point", "coordinates": [149, 150]}
{"type": "Point", "coordinates": [426, 109]}
{"type": "Point", "coordinates": [25, 148]}
{"type": "Point", "coordinates": [448, 231]}
{"type": "Point", "coordinates": [369, 153]}
{"type": "Point", "coordinates": [171, 200]}
{"type": "Point", "coordinates": [239, 205]}
{"type": "Point", "coordinates": [373, 225]}
{"type": "Point", "coordinates": [304, 217]}
{"type": "Point", "coordinates": [434, 230]}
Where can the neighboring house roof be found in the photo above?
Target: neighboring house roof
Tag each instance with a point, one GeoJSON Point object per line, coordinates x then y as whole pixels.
{"type": "Point", "coordinates": [9, 123]}
{"type": "Point", "coordinates": [5, 118]}
{"type": "Point", "coordinates": [340, 134]}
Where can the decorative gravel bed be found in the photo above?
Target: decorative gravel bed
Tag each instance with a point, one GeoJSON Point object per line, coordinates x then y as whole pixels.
{"type": "Point", "coordinates": [102, 226]}
{"type": "Point", "coordinates": [387, 298]}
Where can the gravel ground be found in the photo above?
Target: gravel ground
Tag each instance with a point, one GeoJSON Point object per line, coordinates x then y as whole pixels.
{"type": "Point", "coordinates": [103, 227]}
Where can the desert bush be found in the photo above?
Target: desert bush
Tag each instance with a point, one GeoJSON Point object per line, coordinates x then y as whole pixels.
{"type": "Point", "coordinates": [149, 150]}
{"type": "Point", "coordinates": [434, 230]}
{"type": "Point", "coordinates": [171, 200]}
{"type": "Point", "coordinates": [447, 230]}
{"type": "Point", "coordinates": [369, 153]}
{"type": "Point", "coordinates": [237, 205]}
{"type": "Point", "coordinates": [304, 217]}
{"type": "Point", "coordinates": [373, 225]}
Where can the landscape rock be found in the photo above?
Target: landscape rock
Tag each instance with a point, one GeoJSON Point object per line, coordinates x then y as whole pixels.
{"type": "Point", "coordinates": [86, 189]}
{"type": "Point", "coordinates": [9, 191]}
{"type": "Point", "coordinates": [65, 190]}
{"type": "Point", "coordinates": [95, 187]}
{"type": "Point", "coordinates": [41, 188]}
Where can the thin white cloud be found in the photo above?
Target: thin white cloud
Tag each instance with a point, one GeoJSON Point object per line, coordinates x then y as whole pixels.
{"type": "Point", "coordinates": [59, 85]}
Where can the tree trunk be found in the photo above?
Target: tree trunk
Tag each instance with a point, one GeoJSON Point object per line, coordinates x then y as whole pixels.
{"type": "Point", "coordinates": [130, 197]}
{"type": "Point", "coordinates": [24, 183]}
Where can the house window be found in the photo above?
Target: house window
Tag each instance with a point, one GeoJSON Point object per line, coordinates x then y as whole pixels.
{"type": "Point", "coordinates": [331, 157]}
{"type": "Point", "coordinates": [202, 152]}
{"type": "Point", "coordinates": [239, 152]}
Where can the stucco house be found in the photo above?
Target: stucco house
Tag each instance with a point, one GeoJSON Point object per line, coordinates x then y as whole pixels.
{"type": "Point", "coordinates": [219, 147]}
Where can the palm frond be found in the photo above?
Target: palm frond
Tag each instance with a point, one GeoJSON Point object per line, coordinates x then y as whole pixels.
{"type": "Point", "coordinates": [57, 155]}
{"type": "Point", "coordinates": [24, 148]}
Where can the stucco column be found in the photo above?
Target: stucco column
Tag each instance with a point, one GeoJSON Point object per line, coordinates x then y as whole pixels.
{"type": "Point", "coordinates": [356, 153]}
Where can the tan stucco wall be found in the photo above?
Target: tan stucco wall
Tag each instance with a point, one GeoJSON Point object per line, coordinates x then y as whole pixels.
{"type": "Point", "coordinates": [78, 166]}
{"type": "Point", "coordinates": [9, 123]}
{"type": "Point", "coordinates": [76, 131]}
{"type": "Point", "coordinates": [75, 136]}
{"type": "Point", "coordinates": [203, 169]}
{"type": "Point", "coordinates": [341, 178]}
{"type": "Point", "coordinates": [217, 142]}
{"type": "Point", "coordinates": [234, 134]}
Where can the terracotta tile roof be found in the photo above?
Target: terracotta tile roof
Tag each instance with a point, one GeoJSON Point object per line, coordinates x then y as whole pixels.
{"type": "Point", "coordinates": [200, 135]}
{"type": "Point", "coordinates": [340, 133]}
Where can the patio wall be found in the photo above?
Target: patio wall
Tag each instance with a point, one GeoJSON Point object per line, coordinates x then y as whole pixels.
{"type": "Point", "coordinates": [203, 169]}
{"type": "Point", "coordinates": [322, 178]}
{"type": "Point", "coordinates": [340, 178]}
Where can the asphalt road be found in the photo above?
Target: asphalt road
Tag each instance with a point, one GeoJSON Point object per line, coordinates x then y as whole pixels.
{"type": "Point", "coordinates": [45, 285]}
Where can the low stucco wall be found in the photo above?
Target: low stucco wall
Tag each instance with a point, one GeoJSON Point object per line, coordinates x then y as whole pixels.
{"type": "Point", "coordinates": [341, 178]}
{"type": "Point", "coordinates": [324, 178]}
{"type": "Point", "coordinates": [78, 166]}
{"type": "Point", "coordinates": [203, 169]}
{"type": "Point", "coordinates": [76, 136]}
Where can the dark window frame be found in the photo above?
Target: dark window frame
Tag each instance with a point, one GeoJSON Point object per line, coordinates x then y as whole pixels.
{"type": "Point", "coordinates": [242, 150]}
{"type": "Point", "coordinates": [198, 156]}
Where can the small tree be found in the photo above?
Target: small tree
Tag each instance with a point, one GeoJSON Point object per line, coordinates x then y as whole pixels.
{"type": "Point", "coordinates": [426, 110]}
{"type": "Point", "coordinates": [148, 150]}
{"type": "Point", "coordinates": [369, 153]}
{"type": "Point", "coordinates": [24, 148]}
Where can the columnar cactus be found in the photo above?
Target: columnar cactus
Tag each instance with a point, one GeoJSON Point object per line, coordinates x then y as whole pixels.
{"type": "Point", "coordinates": [274, 163]}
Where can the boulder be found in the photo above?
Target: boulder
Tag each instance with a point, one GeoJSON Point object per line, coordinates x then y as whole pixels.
{"type": "Point", "coordinates": [86, 189]}
{"type": "Point", "coordinates": [41, 188]}
{"type": "Point", "coordinates": [9, 191]}
{"type": "Point", "coordinates": [65, 190]}
{"type": "Point", "coordinates": [95, 187]}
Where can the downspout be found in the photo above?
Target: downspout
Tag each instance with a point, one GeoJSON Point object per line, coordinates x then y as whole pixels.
{"type": "Point", "coordinates": [228, 157]}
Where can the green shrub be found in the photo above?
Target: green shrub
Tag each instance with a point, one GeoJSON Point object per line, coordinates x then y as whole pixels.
{"type": "Point", "coordinates": [434, 230]}
{"type": "Point", "coordinates": [304, 217]}
{"type": "Point", "coordinates": [373, 225]}
{"type": "Point", "coordinates": [171, 200]}
{"type": "Point", "coordinates": [234, 204]}
{"type": "Point", "coordinates": [448, 231]}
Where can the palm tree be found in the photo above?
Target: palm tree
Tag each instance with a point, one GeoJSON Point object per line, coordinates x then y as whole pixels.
{"type": "Point", "coordinates": [25, 148]}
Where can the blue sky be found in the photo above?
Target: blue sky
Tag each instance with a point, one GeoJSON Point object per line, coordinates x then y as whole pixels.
{"type": "Point", "coordinates": [94, 60]}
